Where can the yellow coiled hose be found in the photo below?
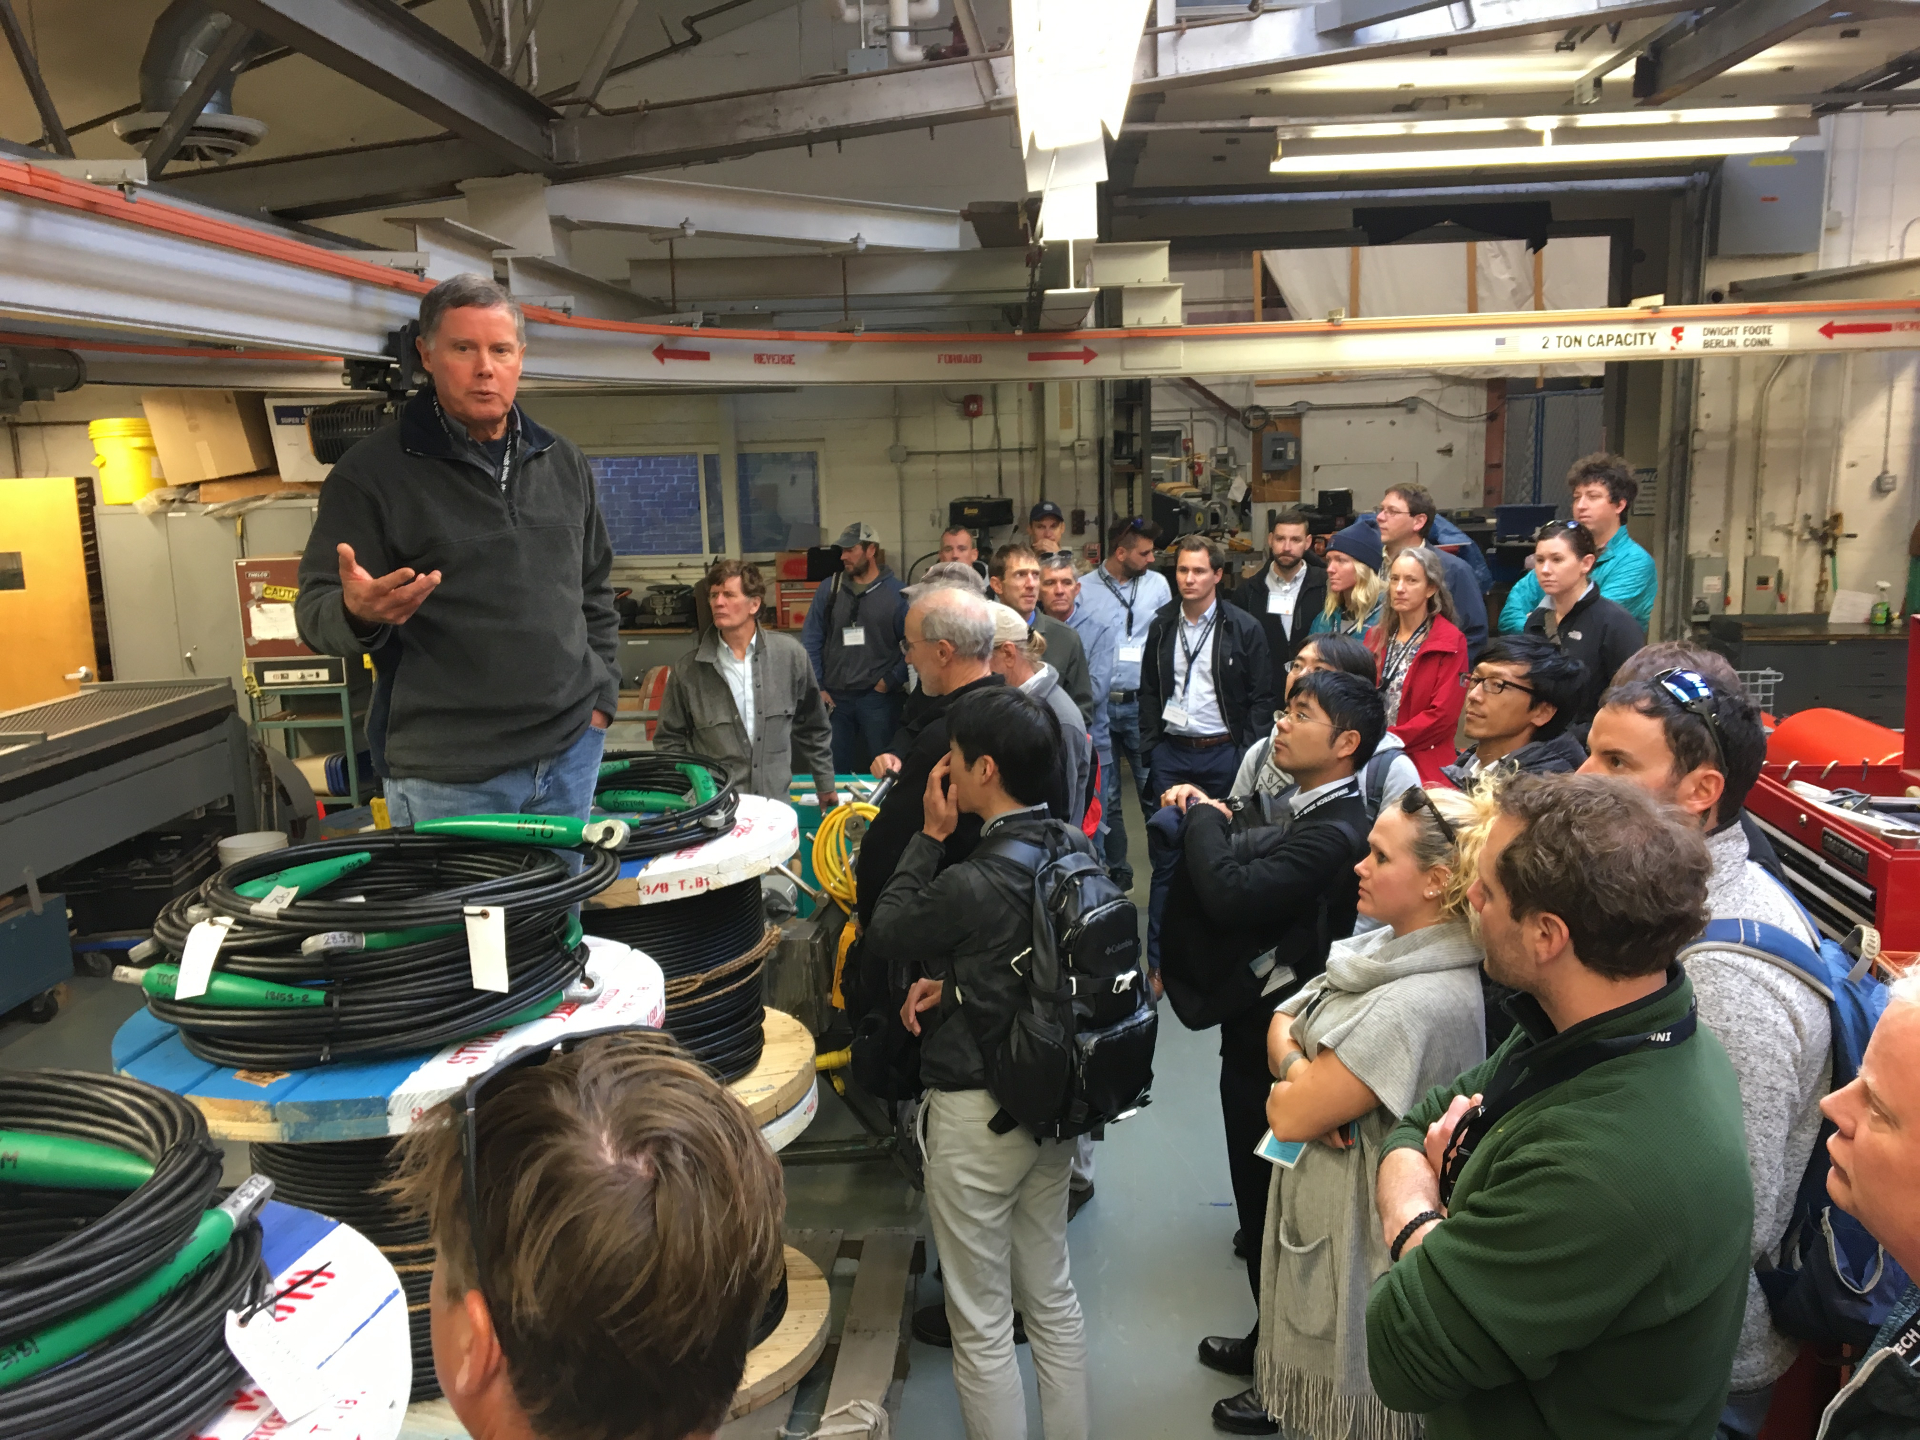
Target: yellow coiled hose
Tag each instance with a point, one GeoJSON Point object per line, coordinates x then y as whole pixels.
{"type": "Point", "coordinates": [833, 851]}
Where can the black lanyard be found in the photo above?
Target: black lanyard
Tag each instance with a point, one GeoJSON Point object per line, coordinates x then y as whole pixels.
{"type": "Point", "coordinates": [1190, 651]}
{"type": "Point", "coordinates": [1133, 594]}
{"type": "Point", "coordinates": [1517, 1082]}
{"type": "Point", "coordinates": [506, 456]}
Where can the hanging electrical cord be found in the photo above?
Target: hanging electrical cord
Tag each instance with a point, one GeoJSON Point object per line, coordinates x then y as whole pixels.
{"type": "Point", "coordinates": [712, 948]}
{"type": "Point", "coordinates": [378, 962]}
{"type": "Point", "coordinates": [117, 1267]}
{"type": "Point", "coordinates": [343, 1180]}
{"type": "Point", "coordinates": [668, 801]}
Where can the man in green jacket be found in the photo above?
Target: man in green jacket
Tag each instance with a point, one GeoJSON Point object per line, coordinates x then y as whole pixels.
{"type": "Point", "coordinates": [745, 697]}
{"type": "Point", "coordinates": [1569, 1221]}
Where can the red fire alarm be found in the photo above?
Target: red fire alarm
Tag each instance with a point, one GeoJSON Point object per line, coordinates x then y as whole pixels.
{"type": "Point", "coordinates": [972, 406]}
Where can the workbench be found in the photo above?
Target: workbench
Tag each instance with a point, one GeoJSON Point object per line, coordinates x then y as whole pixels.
{"type": "Point", "coordinates": [1861, 669]}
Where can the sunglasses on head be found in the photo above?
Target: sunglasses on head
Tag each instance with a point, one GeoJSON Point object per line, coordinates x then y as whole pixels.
{"type": "Point", "coordinates": [1414, 799]}
{"type": "Point", "coordinates": [1690, 690]}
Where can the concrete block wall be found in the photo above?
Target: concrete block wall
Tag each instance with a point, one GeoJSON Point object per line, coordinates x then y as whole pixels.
{"type": "Point", "coordinates": [651, 503]}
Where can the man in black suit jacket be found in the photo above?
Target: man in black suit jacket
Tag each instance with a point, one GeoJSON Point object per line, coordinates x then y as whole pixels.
{"type": "Point", "coordinates": [1288, 592]}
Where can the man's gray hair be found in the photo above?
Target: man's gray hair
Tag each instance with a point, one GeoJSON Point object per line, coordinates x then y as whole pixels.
{"type": "Point", "coordinates": [468, 292]}
{"type": "Point", "coordinates": [948, 575]}
{"type": "Point", "coordinates": [1905, 990]}
{"type": "Point", "coordinates": [959, 617]}
{"type": "Point", "coordinates": [1056, 560]}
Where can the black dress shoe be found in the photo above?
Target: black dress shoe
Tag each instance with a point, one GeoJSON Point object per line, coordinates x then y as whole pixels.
{"type": "Point", "coordinates": [1243, 1414]}
{"type": "Point", "coordinates": [1240, 1250]}
{"type": "Point", "coordinates": [1229, 1354]}
{"type": "Point", "coordinates": [1077, 1199]}
{"type": "Point", "coordinates": [931, 1327]}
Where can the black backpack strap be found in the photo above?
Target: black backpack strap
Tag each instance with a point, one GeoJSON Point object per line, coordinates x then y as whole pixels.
{"type": "Point", "coordinates": [1373, 783]}
{"type": "Point", "coordinates": [1021, 852]}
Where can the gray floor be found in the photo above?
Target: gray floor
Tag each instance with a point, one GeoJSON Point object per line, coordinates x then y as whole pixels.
{"type": "Point", "coordinates": [1152, 1255]}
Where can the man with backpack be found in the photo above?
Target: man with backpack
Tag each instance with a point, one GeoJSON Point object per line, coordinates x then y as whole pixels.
{"type": "Point", "coordinates": [1699, 748]}
{"type": "Point", "coordinates": [1251, 915]}
{"type": "Point", "coordinates": [998, 1053]}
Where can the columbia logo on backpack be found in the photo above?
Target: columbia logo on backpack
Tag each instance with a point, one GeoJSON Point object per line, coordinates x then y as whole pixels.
{"type": "Point", "coordinates": [1077, 1054]}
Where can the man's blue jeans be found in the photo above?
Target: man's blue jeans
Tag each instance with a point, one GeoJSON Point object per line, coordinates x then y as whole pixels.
{"type": "Point", "coordinates": [863, 725]}
{"type": "Point", "coordinates": [1124, 724]}
{"type": "Point", "coordinates": [558, 785]}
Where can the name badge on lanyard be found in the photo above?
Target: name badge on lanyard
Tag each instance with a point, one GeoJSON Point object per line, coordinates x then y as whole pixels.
{"type": "Point", "coordinates": [854, 636]}
{"type": "Point", "coordinates": [1132, 654]}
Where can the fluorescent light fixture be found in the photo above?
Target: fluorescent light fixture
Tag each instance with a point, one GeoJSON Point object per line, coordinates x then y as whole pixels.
{"type": "Point", "coordinates": [1487, 124]}
{"type": "Point", "coordinates": [1547, 153]}
{"type": "Point", "coordinates": [1073, 63]}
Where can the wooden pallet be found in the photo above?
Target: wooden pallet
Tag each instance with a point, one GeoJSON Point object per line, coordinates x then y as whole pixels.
{"type": "Point", "coordinates": [867, 1357]}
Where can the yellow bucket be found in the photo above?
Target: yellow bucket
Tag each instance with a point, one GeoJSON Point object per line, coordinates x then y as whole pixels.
{"type": "Point", "coordinates": [129, 465]}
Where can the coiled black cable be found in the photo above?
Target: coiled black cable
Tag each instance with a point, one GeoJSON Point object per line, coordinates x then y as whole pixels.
{"type": "Point", "coordinates": [659, 833]}
{"type": "Point", "coordinates": [712, 948]}
{"type": "Point", "coordinates": [63, 1251]}
{"type": "Point", "coordinates": [343, 1180]}
{"type": "Point", "coordinates": [410, 998]}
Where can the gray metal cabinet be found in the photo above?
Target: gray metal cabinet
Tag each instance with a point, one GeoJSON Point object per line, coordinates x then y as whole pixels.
{"type": "Point", "coordinates": [1859, 669]}
{"type": "Point", "coordinates": [172, 609]}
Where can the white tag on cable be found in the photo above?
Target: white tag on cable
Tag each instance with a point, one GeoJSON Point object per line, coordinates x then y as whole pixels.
{"type": "Point", "coordinates": [276, 900]}
{"type": "Point", "coordinates": [291, 1383]}
{"type": "Point", "coordinates": [487, 946]}
{"type": "Point", "coordinates": [196, 959]}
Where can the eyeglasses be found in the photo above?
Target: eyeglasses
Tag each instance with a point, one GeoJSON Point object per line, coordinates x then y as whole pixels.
{"type": "Point", "coordinates": [1414, 799]}
{"type": "Point", "coordinates": [1493, 685]}
{"type": "Point", "coordinates": [468, 1109]}
{"type": "Point", "coordinates": [1297, 666]}
{"type": "Point", "coordinates": [1300, 717]}
{"type": "Point", "coordinates": [1694, 695]}
{"type": "Point", "coordinates": [1390, 510]}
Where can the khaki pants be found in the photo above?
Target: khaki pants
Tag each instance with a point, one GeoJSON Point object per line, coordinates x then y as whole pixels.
{"type": "Point", "coordinates": [998, 1204]}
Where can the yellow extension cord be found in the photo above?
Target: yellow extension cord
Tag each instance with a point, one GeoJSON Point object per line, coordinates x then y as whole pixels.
{"type": "Point", "coordinates": [833, 869]}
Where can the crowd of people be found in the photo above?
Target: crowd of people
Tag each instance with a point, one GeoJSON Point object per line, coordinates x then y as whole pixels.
{"type": "Point", "coordinates": [1521, 1085]}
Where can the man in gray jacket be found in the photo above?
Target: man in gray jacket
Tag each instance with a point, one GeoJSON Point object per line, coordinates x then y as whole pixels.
{"type": "Point", "coordinates": [1018, 651]}
{"type": "Point", "coordinates": [462, 548]}
{"type": "Point", "coordinates": [853, 637]}
{"type": "Point", "coordinates": [1700, 748]}
{"type": "Point", "coordinates": [745, 697]}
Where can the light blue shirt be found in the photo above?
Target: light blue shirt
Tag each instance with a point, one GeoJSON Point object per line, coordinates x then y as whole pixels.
{"type": "Point", "coordinates": [1128, 609]}
{"type": "Point", "coordinates": [739, 675]}
{"type": "Point", "coordinates": [1624, 572]}
{"type": "Point", "coordinates": [1096, 636]}
{"type": "Point", "coordinates": [1193, 688]}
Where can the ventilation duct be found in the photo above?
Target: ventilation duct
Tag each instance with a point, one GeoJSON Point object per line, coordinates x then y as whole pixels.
{"type": "Point", "coordinates": [182, 39]}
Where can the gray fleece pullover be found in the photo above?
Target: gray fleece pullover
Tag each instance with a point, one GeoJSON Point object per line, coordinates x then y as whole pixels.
{"type": "Point", "coordinates": [1777, 1032]}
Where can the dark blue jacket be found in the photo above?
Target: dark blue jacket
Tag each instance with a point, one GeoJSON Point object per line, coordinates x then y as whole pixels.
{"type": "Point", "coordinates": [881, 611]}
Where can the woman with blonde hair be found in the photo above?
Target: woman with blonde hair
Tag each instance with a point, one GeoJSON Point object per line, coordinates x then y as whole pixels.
{"type": "Point", "coordinates": [1353, 583]}
{"type": "Point", "coordinates": [1423, 660]}
{"type": "Point", "coordinates": [1397, 1011]}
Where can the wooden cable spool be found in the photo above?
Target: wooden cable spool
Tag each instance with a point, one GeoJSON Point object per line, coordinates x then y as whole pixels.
{"type": "Point", "coordinates": [776, 1364]}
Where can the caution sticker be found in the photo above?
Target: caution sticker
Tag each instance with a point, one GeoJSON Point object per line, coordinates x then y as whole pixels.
{"type": "Point", "coordinates": [288, 593]}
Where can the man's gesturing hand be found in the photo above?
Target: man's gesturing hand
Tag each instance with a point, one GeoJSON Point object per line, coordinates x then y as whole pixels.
{"type": "Point", "coordinates": [389, 600]}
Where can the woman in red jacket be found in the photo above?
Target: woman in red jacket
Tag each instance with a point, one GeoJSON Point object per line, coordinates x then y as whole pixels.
{"type": "Point", "coordinates": [1423, 661]}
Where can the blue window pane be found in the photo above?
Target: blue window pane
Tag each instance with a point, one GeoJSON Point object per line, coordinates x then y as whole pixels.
{"type": "Point", "coordinates": [716, 511]}
{"type": "Point", "coordinates": [651, 502]}
{"type": "Point", "coordinates": [779, 501]}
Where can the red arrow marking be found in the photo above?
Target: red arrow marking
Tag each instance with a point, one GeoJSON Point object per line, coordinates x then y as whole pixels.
{"type": "Point", "coordinates": [1830, 329]}
{"type": "Point", "coordinates": [1084, 354]}
{"type": "Point", "coordinates": [663, 354]}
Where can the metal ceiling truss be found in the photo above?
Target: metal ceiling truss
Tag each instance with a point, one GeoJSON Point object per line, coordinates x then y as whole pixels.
{"type": "Point", "coordinates": [1674, 65]}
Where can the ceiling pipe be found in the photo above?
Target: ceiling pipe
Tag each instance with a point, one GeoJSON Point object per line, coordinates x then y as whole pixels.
{"type": "Point", "coordinates": [899, 27]}
{"type": "Point", "coordinates": [183, 38]}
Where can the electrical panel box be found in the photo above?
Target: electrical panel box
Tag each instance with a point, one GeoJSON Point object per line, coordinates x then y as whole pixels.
{"type": "Point", "coordinates": [1772, 204]}
{"type": "Point", "coordinates": [1763, 595]}
{"type": "Point", "coordinates": [1706, 588]}
{"type": "Point", "coordinates": [1279, 450]}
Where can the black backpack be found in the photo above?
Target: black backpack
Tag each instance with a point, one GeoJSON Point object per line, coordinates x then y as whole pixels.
{"type": "Point", "coordinates": [1077, 1052]}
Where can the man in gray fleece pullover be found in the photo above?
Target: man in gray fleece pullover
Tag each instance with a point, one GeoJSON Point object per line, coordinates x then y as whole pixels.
{"type": "Point", "coordinates": [1775, 1028]}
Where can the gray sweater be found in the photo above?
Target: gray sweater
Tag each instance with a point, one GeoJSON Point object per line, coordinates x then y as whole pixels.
{"type": "Point", "coordinates": [1777, 1033]}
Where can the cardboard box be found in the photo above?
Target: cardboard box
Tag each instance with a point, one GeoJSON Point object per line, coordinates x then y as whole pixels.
{"type": "Point", "coordinates": [790, 565]}
{"type": "Point", "coordinates": [245, 487]}
{"type": "Point", "coordinates": [287, 416]}
{"type": "Point", "coordinates": [208, 434]}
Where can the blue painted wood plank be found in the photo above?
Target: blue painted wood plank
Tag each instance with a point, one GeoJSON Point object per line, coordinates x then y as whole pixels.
{"type": "Point", "coordinates": [139, 1034]}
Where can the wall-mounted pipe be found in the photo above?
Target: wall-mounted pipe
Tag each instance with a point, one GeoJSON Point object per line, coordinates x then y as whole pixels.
{"type": "Point", "coordinates": [1760, 450]}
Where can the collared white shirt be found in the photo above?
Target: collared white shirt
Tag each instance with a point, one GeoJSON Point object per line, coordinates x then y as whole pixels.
{"type": "Point", "coordinates": [1305, 800]}
{"type": "Point", "coordinates": [1283, 595]}
{"type": "Point", "coordinates": [1193, 689]}
{"type": "Point", "coordinates": [739, 675]}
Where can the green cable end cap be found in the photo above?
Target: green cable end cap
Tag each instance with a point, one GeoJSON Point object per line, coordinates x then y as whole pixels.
{"type": "Point", "coordinates": [304, 878]}
{"type": "Point", "coordinates": [702, 781]}
{"type": "Point", "coordinates": [614, 767]}
{"type": "Point", "coordinates": [645, 802]}
{"type": "Point", "coordinates": [557, 831]}
{"type": "Point", "coordinates": [229, 992]}
{"type": "Point", "coordinates": [29, 1158]}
